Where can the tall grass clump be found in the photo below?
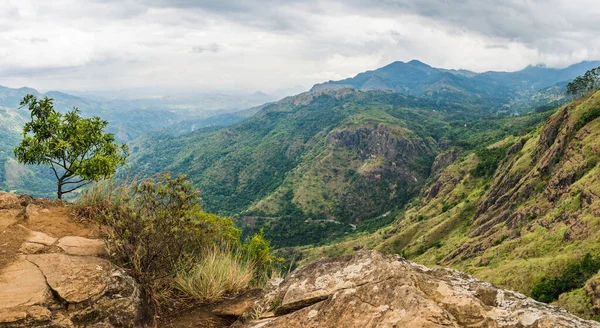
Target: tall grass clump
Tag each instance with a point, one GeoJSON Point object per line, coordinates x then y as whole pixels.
{"type": "Point", "coordinates": [156, 229]}
{"type": "Point", "coordinates": [217, 273]}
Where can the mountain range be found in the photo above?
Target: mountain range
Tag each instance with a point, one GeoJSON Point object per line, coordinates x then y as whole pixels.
{"type": "Point", "coordinates": [498, 91]}
{"type": "Point", "coordinates": [128, 119]}
{"type": "Point", "coordinates": [345, 155]}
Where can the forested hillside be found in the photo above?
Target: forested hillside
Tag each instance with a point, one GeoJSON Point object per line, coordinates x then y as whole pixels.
{"type": "Point", "coordinates": [322, 164]}
{"type": "Point", "coordinates": [128, 119]}
{"type": "Point", "coordinates": [521, 213]}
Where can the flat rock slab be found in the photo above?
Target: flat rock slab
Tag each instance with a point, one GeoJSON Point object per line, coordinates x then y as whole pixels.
{"type": "Point", "coordinates": [40, 238]}
{"type": "Point", "coordinates": [82, 246]}
{"type": "Point", "coordinates": [22, 285]}
{"type": "Point", "coordinates": [369, 289]}
{"type": "Point", "coordinates": [74, 278]}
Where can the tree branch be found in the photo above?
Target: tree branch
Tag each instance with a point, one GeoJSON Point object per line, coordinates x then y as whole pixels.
{"type": "Point", "coordinates": [73, 182]}
{"type": "Point", "coordinates": [83, 184]}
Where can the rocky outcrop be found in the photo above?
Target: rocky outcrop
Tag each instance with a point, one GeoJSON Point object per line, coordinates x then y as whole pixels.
{"type": "Point", "coordinates": [52, 280]}
{"type": "Point", "coordinates": [368, 289]}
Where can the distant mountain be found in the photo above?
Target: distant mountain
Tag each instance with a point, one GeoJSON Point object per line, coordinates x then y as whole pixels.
{"type": "Point", "coordinates": [310, 167]}
{"type": "Point", "coordinates": [128, 119]}
{"type": "Point", "coordinates": [507, 89]}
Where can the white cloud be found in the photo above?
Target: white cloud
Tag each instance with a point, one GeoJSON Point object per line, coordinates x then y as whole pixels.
{"type": "Point", "coordinates": [247, 45]}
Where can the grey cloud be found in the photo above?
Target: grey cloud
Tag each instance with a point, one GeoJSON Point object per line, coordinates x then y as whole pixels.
{"type": "Point", "coordinates": [213, 47]}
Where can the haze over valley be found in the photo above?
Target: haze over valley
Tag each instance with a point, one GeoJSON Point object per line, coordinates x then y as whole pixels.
{"type": "Point", "coordinates": [299, 163]}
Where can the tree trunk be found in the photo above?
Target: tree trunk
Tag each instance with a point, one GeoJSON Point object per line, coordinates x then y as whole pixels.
{"type": "Point", "coordinates": [59, 193]}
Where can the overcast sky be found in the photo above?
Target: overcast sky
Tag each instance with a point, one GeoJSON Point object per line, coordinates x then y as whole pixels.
{"type": "Point", "coordinates": [246, 45]}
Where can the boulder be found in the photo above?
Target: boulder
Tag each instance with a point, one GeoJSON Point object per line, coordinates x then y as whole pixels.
{"type": "Point", "coordinates": [61, 290]}
{"type": "Point", "coordinates": [368, 289]}
{"type": "Point", "coordinates": [76, 245]}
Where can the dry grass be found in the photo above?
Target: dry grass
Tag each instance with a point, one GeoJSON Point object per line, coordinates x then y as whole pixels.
{"type": "Point", "coordinates": [218, 273]}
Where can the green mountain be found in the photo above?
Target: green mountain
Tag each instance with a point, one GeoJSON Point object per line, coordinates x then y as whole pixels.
{"type": "Point", "coordinates": [128, 119]}
{"type": "Point", "coordinates": [497, 91]}
{"type": "Point", "coordinates": [321, 164]}
{"type": "Point", "coordinates": [522, 213]}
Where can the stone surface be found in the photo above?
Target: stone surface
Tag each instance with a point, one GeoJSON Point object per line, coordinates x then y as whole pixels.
{"type": "Point", "coordinates": [47, 282]}
{"type": "Point", "coordinates": [74, 278]}
{"type": "Point", "coordinates": [31, 248]}
{"type": "Point", "coordinates": [22, 284]}
{"type": "Point", "coordinates": [368, 289]}
{"type": "Point", "coordinates": [82, 246]}
{"type": "Point", "coordinates": [40, 238]}
{"type": "Point", "coordinates": [237, 306]}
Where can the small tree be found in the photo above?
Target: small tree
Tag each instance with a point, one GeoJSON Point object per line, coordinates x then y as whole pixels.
{"type": "Point", "coordinates": [76, 148]}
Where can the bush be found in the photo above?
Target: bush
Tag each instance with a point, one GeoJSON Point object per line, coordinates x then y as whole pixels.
{"type": "Point", "coordinates": [258, 251]}
{"type": "Point", "coordinates": [489, 159]}
{"type": "Point", "coordinates": [573, 276]}
{"type": "Point", "coordinates": [220, 271]}
{"type": "Point", "coordinates": [153, 225]}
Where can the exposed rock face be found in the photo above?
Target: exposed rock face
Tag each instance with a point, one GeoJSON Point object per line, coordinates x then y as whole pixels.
{"type": "Point", "coordinates": [61, 282]}
{"type": "Point", "coordinates": [368, 289]}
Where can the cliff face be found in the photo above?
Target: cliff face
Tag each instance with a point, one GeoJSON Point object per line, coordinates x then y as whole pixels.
{"type": "Point", "coordinates": [54, 272]}
{"type": "Point", "coordinates": [527, 223]}
{"type": "Point", "coordinates": [368, 289]}
{"type": "Point", "coordinates": [359, 171]}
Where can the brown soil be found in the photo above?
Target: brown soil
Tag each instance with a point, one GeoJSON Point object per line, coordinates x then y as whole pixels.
{"type": "Point", "coordinates": [56, 222]}
{"type": "Point", "coordinates": [199, 317]}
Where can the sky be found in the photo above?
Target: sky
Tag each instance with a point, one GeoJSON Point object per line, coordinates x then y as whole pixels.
{"type": "Point", "coordinates": [242, 46]}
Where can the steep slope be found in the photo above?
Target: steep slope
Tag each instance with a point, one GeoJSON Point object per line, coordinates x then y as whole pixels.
{"type": "Point", "coordinates": [314, 166]}
{"type": "Point", "coordinates": [522, 213]}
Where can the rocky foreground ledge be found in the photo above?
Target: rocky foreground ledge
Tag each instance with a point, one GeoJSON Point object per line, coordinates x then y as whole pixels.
{"type": "Point", "coordinates": [369, 289]}
{"type": "Point", "coordinates": [54, 273]}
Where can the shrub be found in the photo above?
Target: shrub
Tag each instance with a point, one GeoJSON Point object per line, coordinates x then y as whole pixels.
{"type": "Point", "coordinates": [153, 224]}
{"type": "Point", "coordinates": [573, 276]}
{"type": "Point", "coordinates": [258, 251]}
{"type": "Point", "coordinates": [489, 159]}
{"type": "Point", "coordinates": [220, 271]}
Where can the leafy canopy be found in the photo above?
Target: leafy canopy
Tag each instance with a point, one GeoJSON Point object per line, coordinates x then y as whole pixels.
{"type": "Point", "coordinates": [585, 84]}
{"type": "Point", "coordinates": [76, 148]}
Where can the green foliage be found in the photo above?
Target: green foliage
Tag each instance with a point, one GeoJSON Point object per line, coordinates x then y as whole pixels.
{"type": "Point", "coordinates": [585, 84]}
{"type": "Point", "coordinates": [76, 148]}
{"type": "Point", "coordinates": [154, 224]}
{"type": "Point", "coordinates": [573, 276]}
{"type": "Point", "coordinates": [586, 117]}
{"type": "Point", "coordinates": [489, 159]}
{"type": "Point", "coordinates": [263, 159]}
{"type": "Point", "coordinates": [258, 251]}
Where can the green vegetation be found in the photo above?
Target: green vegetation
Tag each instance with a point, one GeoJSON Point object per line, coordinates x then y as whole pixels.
{"type": "Point", "coordinates": [157, 230]}
{"type": "Point", "coordinates": [492, 214]}
{"type": "Point", "coordinates": [489, 158]}
{"type": "Point", "coordinates": [306, 168]}
{"type": "Point", "coordinates": [573, 276]}
{"type": "Point", "coordinates": [77, 149]}
{"type": "Point", "coordinates": [214, 275]}
{"type": "Point", "coordinates": [585, 84]}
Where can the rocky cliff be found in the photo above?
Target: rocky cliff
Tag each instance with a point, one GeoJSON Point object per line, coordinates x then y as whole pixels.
{"type": "Point", "coordinates": [368, 289]}
{"type": "Point", "coordinates": [54, 271]}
